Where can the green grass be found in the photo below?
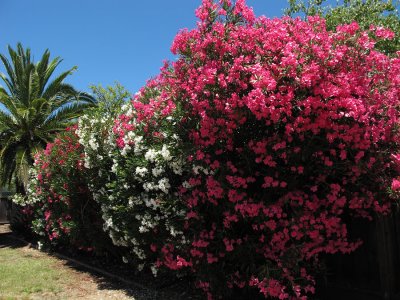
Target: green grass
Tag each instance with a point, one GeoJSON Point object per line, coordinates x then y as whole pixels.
{"type": "Point", "coordinates": [25, 273]}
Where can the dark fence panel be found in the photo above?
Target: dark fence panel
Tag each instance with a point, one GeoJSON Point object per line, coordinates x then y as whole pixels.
{"type": "Point", "coordinates": [6, 210]}
{"type": "Point", "coordinates": [371, 272]}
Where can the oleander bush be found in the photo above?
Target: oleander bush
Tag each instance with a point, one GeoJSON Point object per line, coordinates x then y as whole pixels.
{"type": "Point", "coordinates": [60, 192]}
{"type": "Point", "coordinates": [292, 129]}
{"type": "Point", "coordinates": [241, 163]}
{"type": "Point", "coordinates": [135, 159]}
{"type": "Point", "coordinates": [65, 214]}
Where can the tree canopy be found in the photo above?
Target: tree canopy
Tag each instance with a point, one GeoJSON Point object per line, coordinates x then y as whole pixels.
{"type": "Point", "coordinates": [35, 106]}
{"type": "Point", "coordinates": [364, 12]}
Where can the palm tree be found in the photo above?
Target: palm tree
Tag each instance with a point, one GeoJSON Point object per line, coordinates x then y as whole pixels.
{"type": "Point", "coordinates": [34, 109]}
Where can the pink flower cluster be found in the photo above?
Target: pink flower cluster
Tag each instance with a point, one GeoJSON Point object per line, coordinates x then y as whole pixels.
{"type": "Point", "coordinates": [66, 208]}
{"type": "Point", "coordinates": [294, 126]}
{"type": "Point", "coordinates": [52, 187]}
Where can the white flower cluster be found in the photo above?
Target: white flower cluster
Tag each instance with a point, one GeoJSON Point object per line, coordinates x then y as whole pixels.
{"type": "Point", "coordinates": [155, 162]}
{"type": "Point", "coordinates": [31, 192]}
{"type": "Point", "coordinates": [132, 142]}
{"type": "Point", "coordinates": [19, 199]}
{"type": "Point", "coordinates": [132, 183]}
{"type": "Point", "coordinates": [153, 155]}
{"type": "Point", "coordinates": [91, 136]}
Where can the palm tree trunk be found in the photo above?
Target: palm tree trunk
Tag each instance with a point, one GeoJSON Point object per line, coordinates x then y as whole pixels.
{"type": "Point", "coordinates": [19, 187]}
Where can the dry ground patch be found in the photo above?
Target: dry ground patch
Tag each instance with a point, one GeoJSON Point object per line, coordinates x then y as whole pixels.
{"type": "Point", "coordinates": [26, 273]}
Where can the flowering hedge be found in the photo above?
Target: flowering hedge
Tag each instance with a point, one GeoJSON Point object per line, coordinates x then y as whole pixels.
{"type": "Point", "coordinates": [136, 165]}
{"type": "Point", "coordinates": [292, 128]}
{"type": "Point", "coordinates": [240, 163]}
{"type": "Point", "coordinates": [65, 214]}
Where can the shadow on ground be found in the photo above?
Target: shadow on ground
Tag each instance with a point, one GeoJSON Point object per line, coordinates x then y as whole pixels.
{"type": "Point", "coordinates": [172, 290]}
{"type": "Point", "coordinates": [137, 291]}
{"type": "Point", "coordinates": [7, 241]}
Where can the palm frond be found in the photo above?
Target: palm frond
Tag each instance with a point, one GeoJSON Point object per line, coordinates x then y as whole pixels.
{"type": "Point", "coordinates": [7, 120]}
{"type": "Point", "coordinates": [11, 82]}
{"type": "Point", "coordinates": [41, 71]}
{"type": "Point", "coordinates": [25, 93]}
{"type": "Point", "coordinates": [22, 69]}
{"type": "Point", "coordinates": [7, 161]}
{"type": "Point", "coordinates": [50, 70]}
{"type": "Point", "coordinates": [9, 105]}
{"type": "Point", "coordinates": [17, 66]}
{"type": "Point", "coordinates": [68, 112]}
{"type": "Point", "coordinates": [86, 97]}
{"type": "Point", "coordinates": [3, 91]}
{"type": "Point", "coordinates": [25, 55]}
{"type": "Point", "coordinates": [66, 94]}
{"type": "Point", "coordinates": [53, 87]}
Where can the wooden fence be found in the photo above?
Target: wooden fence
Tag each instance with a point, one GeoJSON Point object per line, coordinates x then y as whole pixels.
{"type": "Point", "coordinates": [6, 207]}
{"type": "Point", "coordinates": [373, 271]}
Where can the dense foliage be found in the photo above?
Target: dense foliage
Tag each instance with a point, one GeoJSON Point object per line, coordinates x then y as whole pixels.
{"type": "Point", "coordinates": [65, 213]}
{"type": "Point", "coordinates": [136, 159]}
{"type": "Point", "coordinates": [375, 13]}
{"type": "Point", "coordinates": [240, 163]}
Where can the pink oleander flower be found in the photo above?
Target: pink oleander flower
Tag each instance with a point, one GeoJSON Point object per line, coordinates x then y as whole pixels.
{"type": "Point", "coordinates": [395, 184]}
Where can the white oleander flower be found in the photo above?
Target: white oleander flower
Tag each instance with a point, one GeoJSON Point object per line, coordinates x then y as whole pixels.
{"type": "Point", "coordinates": [114, 167]}
{"type": "Point", "coordinates": [139, 253]}
{"type": "Point", "coordinates": [164, 185]}
{"type": "Point", "coordinates": [154, 270]}
{"type": "Point", "coordinates": [186, 185]}
{"type": "Point", "coordinates": [176, 167]}
{"type": "Point", "coordinates": [141, 171]}
{"type": "Point", "coordinates": [131, 135]}
{"type": "Point", "coordinates": [86, 163]}
{"type": "Point", "coordinates": [157, 171]}
{"type": "Point", "coordinates": [125, 150]}
{"type": "Point", "coordinates": [165, 153]}
{"type": "Point", "coordinates": [149, 186]}
{"type": "Point", "coordinates": [151, 155]}
{"type": "Point", "coordinates": [93, 143]}
{"type": "Point", "coordinates": [108, 223]}
{"type": "Point", "coordinates": [198, 169]}
{"type": "Point", "coordinates": [138, 139]}
{"type": "Point", "coordinates": [143, 229]}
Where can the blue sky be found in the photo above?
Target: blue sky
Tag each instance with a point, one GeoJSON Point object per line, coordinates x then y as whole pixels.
{"type": "Point", "coordinates": [109, 40]}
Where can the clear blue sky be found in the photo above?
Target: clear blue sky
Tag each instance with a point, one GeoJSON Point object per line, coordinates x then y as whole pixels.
{"type": "Point", "coordinates": [109, 40]}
